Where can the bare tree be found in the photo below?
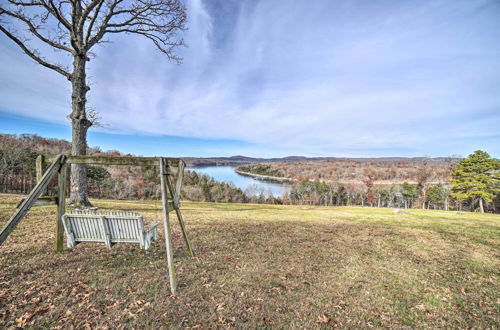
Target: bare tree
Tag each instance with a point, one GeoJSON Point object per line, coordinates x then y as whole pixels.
{"type": "Point", "coordinates": [74, 27]}
{"type": "Point", "coordinates": [370, 176]}
{"type": "Point", "coordinates": [424, 174]}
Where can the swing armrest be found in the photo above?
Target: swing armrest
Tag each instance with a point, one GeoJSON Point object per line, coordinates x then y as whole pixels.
{"type": "Point", "coordinates": [153, 225]}
{"type": "Point", "coordinates": [152, 231]}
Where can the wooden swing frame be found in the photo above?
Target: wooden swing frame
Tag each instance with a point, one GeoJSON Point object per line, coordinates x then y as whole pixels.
{"type": "Point", "coordinates": [58, 164]}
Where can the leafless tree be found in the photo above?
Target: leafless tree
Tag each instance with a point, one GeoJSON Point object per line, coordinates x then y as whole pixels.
{"type": "Point", "coordinates": [424, 174]}
{"type": "Point", "coordinates": [74, 27]}
{"type": "Point", "coordinates": [370, 177]}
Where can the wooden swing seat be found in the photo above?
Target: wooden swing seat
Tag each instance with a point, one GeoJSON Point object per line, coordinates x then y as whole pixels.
{"type": "Point", "coordinates": [89, 225]}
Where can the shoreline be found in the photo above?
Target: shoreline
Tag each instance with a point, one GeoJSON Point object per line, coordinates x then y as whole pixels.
{"type": "Point", "coordinates": [265, 177]}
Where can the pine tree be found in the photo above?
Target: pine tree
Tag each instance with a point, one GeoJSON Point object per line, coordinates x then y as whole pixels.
{"type": "Point", "coordinates": [477, 177]}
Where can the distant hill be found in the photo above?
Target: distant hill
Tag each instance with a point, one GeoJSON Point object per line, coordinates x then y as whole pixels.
{"type": "Point", "coordinates": [243, 160]}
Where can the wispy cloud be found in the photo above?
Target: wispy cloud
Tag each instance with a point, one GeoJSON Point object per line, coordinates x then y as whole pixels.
{"type": "Point", "coordinates": [322, 77]}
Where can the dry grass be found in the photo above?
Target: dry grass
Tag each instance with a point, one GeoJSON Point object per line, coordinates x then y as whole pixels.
{"type": "Point", "coordinates": [261, 266]}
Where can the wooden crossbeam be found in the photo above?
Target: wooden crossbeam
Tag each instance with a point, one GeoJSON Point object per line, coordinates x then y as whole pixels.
{"type": "Point", "coordinates": [31, 199]}
{"type": "Point", "coordinates": [116, 160]}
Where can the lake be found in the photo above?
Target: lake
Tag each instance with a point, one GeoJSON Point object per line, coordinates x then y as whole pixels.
{"type": "Point", "coordinates": [245, 183]}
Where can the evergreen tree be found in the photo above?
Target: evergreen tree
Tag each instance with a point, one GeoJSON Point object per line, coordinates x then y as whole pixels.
{"type": "Point", "coordinates": [409, 193]}
{"type": "Point", "coordinates": [437, 195]}
{"type": "Point", "coordinates": [477, 177]}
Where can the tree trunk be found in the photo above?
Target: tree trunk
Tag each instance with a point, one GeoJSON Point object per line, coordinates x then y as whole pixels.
{"type": "Point", "coordinates": [423, 197]}
{"type": "Point", "coordinates": [80, 125]}
{"type": "Point", "coordinates": [481, 205]}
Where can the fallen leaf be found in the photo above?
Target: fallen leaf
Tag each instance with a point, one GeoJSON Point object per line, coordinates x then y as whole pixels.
{"type": "Point", "coordinates": [421, 307]}
{"type": "Point", "coordinates": [324, 319]}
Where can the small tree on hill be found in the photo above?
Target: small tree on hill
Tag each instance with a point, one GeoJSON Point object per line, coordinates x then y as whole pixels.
{"type": "Point", "coordinates": [477, 177]}
{"type": "Point", "coordinates": [409, 193]}
{"type": "Point", "coordinates": [370, 176]}
{"type": "Point", "coordinates": [437, 196]}
{"type": "Point", "coordinates": [424, 175]}
{"type": "Point", "coordinates": [74, 27]}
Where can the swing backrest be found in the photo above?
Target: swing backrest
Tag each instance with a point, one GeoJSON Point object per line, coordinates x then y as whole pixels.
{"type": "Point", "coordinates": [125, 226]}
{"type": "Point", "coordinates": [111, 227]}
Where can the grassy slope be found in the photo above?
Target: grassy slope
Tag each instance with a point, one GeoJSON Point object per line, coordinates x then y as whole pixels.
{"type": "Point", "coordinates": [258, 265]}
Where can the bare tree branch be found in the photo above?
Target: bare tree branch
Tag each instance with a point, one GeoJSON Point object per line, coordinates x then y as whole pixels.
{"type": "Point", "coordinates": [34, 30]}
{"type": "Point", "coordinates": [26, 4]}
{"type": "Point", "coordinates": [102, 29]}
{"type": "Point", "coordinates": [86, 12]}
{"type": "Point", "coordinates": [92, 21]}
{"type": "Point", "coordinates": [156, 20]}
{"type": "Point", "coordinates": [94, 118]}
{"type": "Point", "coordinates": [56, 11]}
{"type": "Point", "coordinates": [34, 54]}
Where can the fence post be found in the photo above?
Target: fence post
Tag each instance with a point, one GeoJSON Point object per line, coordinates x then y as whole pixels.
{"type": "Point", "coordinates": [39, 168]}
{"type": "Point", "coordinates": [61, 205]}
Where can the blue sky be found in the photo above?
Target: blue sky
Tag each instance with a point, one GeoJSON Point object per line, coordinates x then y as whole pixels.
{"type": "Point", "coordinates": [274, 78]}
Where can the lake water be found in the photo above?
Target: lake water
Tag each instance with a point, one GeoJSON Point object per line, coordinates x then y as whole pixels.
{"type": "Point", "coordinates": [245, 183]}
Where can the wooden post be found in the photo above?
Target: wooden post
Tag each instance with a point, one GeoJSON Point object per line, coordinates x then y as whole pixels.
{"type": "Point", "coordinates": [178, 184]}
{"type": "Point", "coordinates": [61, 206]}
{"type": "Point", "coordinates": [39, 168]}
{"type": "Point", "coordinates": [166, 226]}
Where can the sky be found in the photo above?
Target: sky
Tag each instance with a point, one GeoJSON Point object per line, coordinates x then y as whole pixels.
{"type": "Point", "coordinates": [273, 78]}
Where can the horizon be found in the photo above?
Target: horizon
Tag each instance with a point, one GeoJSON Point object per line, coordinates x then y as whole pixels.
{"type": "Point", "coordinates": [109, 142]}
{"type": "Point", "coordinates": [348, 81]}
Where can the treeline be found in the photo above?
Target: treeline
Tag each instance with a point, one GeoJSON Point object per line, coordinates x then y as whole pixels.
{"type": "Point", "coordinates": [395, 196]}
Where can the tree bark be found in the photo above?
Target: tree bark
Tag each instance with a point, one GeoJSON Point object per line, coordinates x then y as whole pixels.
{"type": "Point", "coordinates": [481, 207]}
{"type": "Point", "coordinates": [423, 197]}
{"type": "Point", "coordinates": [80, 125]}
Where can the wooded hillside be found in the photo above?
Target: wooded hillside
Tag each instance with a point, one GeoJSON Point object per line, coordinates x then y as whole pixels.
{"type": "Point", "coordinates": [351, 171]}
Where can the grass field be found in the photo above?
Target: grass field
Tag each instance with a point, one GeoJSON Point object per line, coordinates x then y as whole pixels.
{"type": "Point", "coordinates": [260, 266]}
